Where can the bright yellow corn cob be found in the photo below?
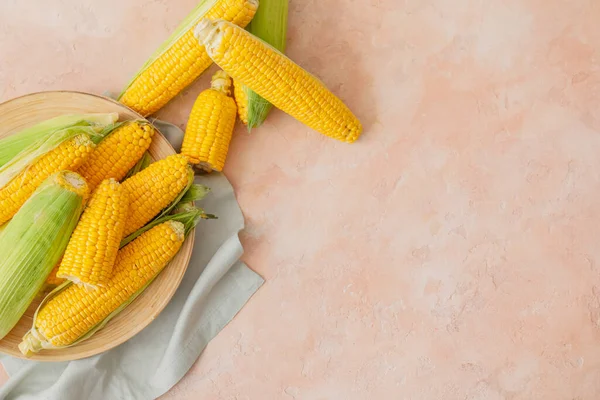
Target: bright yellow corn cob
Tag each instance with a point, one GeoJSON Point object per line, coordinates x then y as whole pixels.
{"type": "Point", "coordinates": [34, 240]}
{"type": "Point", "coordinates": [117, 153]}
{"type": "Point", "coordinates": [92, 250]}
{"type": "Point", "coordinates": [154, 188]}
{"type": "Point", "coordinates": [277, 79]}
{"type": "Point", "coordinates": [182, 62]}
{"type": "Point", "coordinates": [67, 156]}
{"type": "Point", "coordinates": [241, 101]}
{"type": "Point", "coordinates": [210, 125]}
{"type": "Point", "coordinates": [72, 313]}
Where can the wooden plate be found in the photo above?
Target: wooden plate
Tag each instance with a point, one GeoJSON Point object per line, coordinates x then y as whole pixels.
{"type": "Point", "coordinates": [28, 110]}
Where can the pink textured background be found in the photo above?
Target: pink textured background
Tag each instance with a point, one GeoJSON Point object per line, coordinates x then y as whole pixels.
{"type": "Point", "coordinates": [451, 253]}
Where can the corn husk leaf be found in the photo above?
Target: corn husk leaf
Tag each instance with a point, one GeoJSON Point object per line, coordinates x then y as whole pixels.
{"type": "Point", "coordinates": [196, 192]}
{"type": "Point", "coordinates": [31, 244]}
{"type": "Point", "coordinates": [14, 144]}
{"type": "Point", "coordinates": [270, 25]}
{"type": "Point", "coordinates": [142, 164]}
{"type": "Point", "coordinates": [188, 23]}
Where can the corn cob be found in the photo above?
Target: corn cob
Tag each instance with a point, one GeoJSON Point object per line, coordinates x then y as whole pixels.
{"type": "Point", "coordinates": [69, 155]}
{"type": "Point", "coordinates": [92, 250]}
{"type": "Point", "coordinates": [269, 24]}
{"type": "Point", "coordinates": [210, 125]}
{"type": "Point", "coordinates": [34, 240]}
{"type": "Point", "coordinates": [183, 59]}
{"type": "Point", "coordinates": [277, 79]}
{"type": "Point", "coordinates": [117, 153]}
{"type": "Point", "coordinates": [72, 313]}
{"type": "Point", "coordinates": [50, 129]}
{"type": "Point", "coordinates": [240, 93]}
{"type": "Point", "coordinates": [154, 188]}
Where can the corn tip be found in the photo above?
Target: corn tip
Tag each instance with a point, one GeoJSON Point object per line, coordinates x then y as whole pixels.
{"type": "Point", "coordinates": [205, 30]}
{"type": "Point", "coordinates": [30, 344]}
{"type": "Point", "coordinates": [72, 181]}
{"type": "Point", "coordinates": [221, 81]}
{"type": "Point", "coordinates": [178, 228]}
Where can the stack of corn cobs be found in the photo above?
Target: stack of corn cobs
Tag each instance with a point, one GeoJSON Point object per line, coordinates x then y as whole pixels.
{"type": "Point", "coordinates": [88, 220]}
{"type": "Point", "coordinates": [254, 71]}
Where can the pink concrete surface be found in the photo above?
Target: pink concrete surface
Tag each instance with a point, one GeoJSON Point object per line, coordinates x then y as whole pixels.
{"type": "Point", "coordinates": [451, 253]}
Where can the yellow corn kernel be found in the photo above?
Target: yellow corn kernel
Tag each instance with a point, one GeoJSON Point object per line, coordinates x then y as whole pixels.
{"type": "Point", "coordinates": [241, 101]}
{"type": "Point", "coordinates": [182, 62]}
{"type": "Point", "coordinates": [73, 312]}
{"type": "Point", "coordinates": [210, 125]}
{"type": "Point", "coordinates": [277, 79]}
{"type": "Point", "coordinates": [117, 153]}
{"type": "Point", "coordinates": [92, 250]}
{"type": "Point", "coordinates": [153, 189]}
{"type": "Point", "coordinates": [67, 156]}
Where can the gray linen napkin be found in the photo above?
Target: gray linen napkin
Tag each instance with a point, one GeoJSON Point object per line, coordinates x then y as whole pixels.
{"type": "Point", "coordinates": [215, 287]}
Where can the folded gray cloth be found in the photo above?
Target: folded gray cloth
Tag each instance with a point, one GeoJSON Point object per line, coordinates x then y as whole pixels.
{"type": "Point", "coordinates": [215, 287]}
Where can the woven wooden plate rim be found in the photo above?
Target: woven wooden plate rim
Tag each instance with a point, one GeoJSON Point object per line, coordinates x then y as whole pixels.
{"type": "Point", "coordinates": [26, 110]}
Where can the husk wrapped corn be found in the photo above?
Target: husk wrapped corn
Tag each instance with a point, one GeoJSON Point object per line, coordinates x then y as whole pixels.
{"type": "Point", "coordinates": [34, 240]}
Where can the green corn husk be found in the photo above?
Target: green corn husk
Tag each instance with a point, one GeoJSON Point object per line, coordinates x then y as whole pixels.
{"type": "Point", "coordinates": [14, 144]}
{"type": "Point", "coordinates": [34, 241]}
{"type": "Point", "coordinates": [188, 23]}
{"type": "Point", "coordinates": [142, 164]}
{"type": "Point", "coordinates": [269, 24]}
{"type": "Point", "coordinates": [32, 342]}
{"type": "Point", "coordinates": [195, 193]}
